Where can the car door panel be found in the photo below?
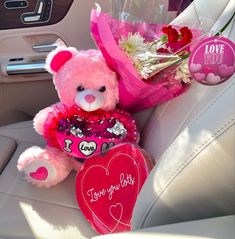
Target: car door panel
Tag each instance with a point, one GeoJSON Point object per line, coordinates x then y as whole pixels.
{"type": "Point", "coordinates": [21, 101]}
{"type": "Point", "coordinates": [22, 95]}
{"type": "Point", "coordinates": [29, 13]}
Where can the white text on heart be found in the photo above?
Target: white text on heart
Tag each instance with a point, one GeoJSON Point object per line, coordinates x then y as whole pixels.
{"type": "Point", "coordinates": [124, 181]}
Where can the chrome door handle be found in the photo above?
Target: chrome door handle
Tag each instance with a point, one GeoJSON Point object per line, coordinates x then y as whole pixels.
{"type": "Point", "coordinates": [26, 68]}
{"type": "Point", "coordinates": [45, 48]}
{"type": "Point", "coordinates": [49, 47]}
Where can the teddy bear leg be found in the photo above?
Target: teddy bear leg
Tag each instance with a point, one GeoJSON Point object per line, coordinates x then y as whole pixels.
{"type": "Point", "coordinates": [45, 167]}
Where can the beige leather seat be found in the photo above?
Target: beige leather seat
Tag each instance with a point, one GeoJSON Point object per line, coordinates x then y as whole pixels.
{"type": "Point", "coordinates": [191, 139]}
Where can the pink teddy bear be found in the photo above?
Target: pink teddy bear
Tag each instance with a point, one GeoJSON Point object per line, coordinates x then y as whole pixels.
{"type": "Point", "coordinates": [85, 85]}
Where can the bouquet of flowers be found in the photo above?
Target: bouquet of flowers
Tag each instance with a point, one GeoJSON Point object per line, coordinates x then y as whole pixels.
{"type": "Point", "coordinates": [151, 59]}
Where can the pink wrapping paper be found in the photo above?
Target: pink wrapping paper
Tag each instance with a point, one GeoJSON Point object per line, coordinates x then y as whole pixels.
{"type": "Point", "coordinates": [135, 94]}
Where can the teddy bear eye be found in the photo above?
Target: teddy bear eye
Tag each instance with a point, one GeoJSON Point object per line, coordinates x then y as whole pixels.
{"type": "Point", "coordinates": [102, 89]}
{"type": "Point", "coordinates": [80, 88]}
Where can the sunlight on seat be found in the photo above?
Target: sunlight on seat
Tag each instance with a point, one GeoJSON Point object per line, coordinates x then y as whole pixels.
{"type": "Point", "coordinates": [187, 146]}
{"type": "Point", "coordinates": [42, 229]}
{"type": "Point", "coordinates": [149, 235]}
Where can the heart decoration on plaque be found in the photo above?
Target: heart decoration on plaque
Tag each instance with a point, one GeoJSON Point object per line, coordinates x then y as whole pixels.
{"type": "Point", "coordinates": [107, 187]}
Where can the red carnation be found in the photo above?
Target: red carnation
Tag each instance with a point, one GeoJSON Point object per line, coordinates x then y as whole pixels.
{"type": "Point", "coordinates": [166, 29]}
{"type": "Point", "coordinates": [171, 33]}
{"type": "Point", "coordinates": [186, 35]}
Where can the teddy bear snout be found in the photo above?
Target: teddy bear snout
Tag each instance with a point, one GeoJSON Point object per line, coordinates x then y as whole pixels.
{"type": "Point", "coordinates": [90, 98]}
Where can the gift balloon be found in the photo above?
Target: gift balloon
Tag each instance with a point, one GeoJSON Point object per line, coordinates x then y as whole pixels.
{"type": "Point", "coordinates": [108, 185]}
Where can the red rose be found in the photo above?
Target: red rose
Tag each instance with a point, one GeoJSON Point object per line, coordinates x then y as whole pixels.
{"type": "Point", "coordinates": [171, 33]}
{"type": "Point", "coordinates": [186, 35]}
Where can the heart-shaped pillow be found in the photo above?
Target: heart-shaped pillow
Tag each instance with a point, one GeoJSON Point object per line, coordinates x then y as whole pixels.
{"type": "Point", "coordinates": [82, 134]}
{"type": "Point", "coordinates": [107, 187]}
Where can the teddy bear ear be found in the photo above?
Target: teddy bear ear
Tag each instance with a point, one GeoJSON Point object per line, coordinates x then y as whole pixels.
{"type": "Point", "coordinates": [57, 58]}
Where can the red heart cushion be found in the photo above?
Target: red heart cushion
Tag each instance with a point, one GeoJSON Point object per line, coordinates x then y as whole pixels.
{"type": "Point", "coordinates": [82, 134]}
{"type": "Point", "coordinates": [107, 187]}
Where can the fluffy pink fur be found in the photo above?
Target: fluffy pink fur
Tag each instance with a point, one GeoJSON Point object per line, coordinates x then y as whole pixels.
{"type": "Point", "coordinates": [39, 119]}
{"type": "Point", "coordinates": [60, 161]}
{"type": "Point", "coordinates": [60, 59]}
{"type": "Point", "coordinates": [56, 56]}
{"type": "Point", "coordinates": [87, 68]}
{"type": "Point", "coordinates": [70, 69]}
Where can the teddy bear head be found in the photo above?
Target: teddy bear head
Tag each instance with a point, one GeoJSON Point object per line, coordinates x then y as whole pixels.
{"type": "Point", "coordinates": [83, 78]}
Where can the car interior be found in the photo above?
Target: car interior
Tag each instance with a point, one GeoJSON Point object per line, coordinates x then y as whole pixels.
{"type": "Point", "coordinates": [190, 192]}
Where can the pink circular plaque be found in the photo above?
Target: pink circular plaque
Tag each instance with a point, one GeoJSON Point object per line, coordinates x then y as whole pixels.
{"type": "Point", "coordinates": [212, 61]}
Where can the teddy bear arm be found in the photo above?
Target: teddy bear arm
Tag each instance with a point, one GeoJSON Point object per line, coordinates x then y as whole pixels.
{"type": "Point", "coordinates": [41, 117]}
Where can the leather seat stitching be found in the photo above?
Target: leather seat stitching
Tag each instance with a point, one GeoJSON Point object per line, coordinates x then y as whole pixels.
{"type": "Point", "coordinates": [184, 164]}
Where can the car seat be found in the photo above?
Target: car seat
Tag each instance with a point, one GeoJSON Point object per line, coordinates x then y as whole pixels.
{"type": "Point", "coordinates": [191, 138]}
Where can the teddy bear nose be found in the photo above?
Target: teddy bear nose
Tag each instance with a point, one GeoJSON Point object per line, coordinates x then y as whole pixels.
{"type": "Point", "coordinates": [90, 98]}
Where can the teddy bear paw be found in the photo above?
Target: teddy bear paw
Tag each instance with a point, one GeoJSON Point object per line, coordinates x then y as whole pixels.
{"type": "Point", "coordinates": [45, 167]}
